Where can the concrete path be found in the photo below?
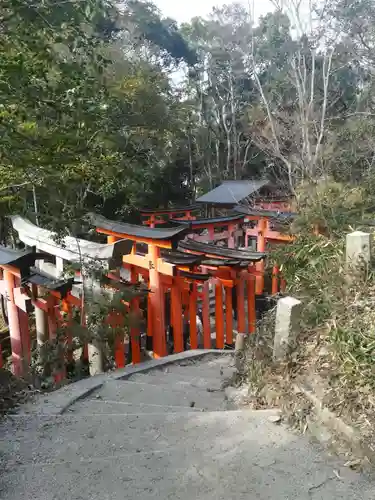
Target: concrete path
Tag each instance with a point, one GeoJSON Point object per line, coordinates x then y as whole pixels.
{"type": "Point", "coordinates": [165, 434]}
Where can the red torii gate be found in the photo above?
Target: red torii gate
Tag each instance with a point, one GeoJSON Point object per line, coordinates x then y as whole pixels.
{"type": "Point", "coordinates": [152, 266]}
{"type": "Point", "coordinates": [159, 216]}
{"type": "Point", "coordinates": [229, 224]}
{"type": "Point", "coordinates": [164, 267]}
{"type": "Point", "coordinates": [238, 267]}
{"type": "Point", "coordinates": [182, 273]}
{"type": "Point", "coordinates": [263, 233]}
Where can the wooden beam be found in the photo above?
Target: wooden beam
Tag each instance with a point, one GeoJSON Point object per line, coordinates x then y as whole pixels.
{"type": "Point", "coordinates": [18, 328]}
{"type": "Point", "coordinates": [219, 315]}
{"type": "Point", "coordinates": [22, 301]}
{"type": "Point", "coordinates": [228, 315]}
{"type": "Point", "coordinates": [13, 270]}
{"type": "Point", "coordinates": [112, 239]}
{"type": "Point", "coordinates": [150, 330]}
{"type": "Point", "coordinates": [177, 317]}
{"type": "Point", "coordinates": [135, 334]}
{"type": "Point", "coordinates": [158, 243]}
{"type": "Point", "coordinates": [241, 323]}
{"type": "Point", "coordinates": [157, 303]}
{"type": "Point", "coordinates": [261, 247]}
{"type": "Point", "coordinates": [67, 308]}
{"type": "Point", "coordinates": [193, 316]}
{"type": "Point", "coordinates": [206, 316]}
{"type": "Point", "coordinates": [147, 262]}
{"type": "Point", "coordinates": [251, 309]}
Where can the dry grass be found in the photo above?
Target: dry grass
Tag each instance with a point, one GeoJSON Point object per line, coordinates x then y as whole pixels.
{"type": "Point", "coordinates": [13, 391]}
{"type": "Point", "coordinates": [336, 348]}
{"type": "Point", "coordinates": [271, 385]}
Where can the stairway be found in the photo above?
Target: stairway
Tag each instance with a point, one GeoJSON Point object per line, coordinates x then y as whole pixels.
{"type": "Point", "coordinates": [165, 432]}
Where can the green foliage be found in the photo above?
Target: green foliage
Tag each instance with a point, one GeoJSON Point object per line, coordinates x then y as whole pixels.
{"type": "Point", "coordinates": [161, 32]}
{"type": "Point", "coordinates": [82, 127]}
{"type": "Point", "coordinates": [53, 95]}
{"type": "Point", "coordinates": [90, 119]}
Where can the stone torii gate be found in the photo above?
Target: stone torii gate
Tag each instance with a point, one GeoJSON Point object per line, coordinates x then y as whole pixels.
{"type": "Point", "coordinates": [19, 278]}
{"type": "Point", "coordinates": [85, 253]}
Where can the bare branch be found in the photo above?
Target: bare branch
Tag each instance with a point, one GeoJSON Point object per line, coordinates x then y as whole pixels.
{"type": "Point", "coordinates": [326, 76]}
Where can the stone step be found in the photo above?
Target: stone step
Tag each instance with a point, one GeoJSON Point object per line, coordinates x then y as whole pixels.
{"type": "Point", "coordinates": [108, 407]}
{"type": "Point", "coordinates": [138, 393]}
{"type": "Point", "coordinates": [209, 365]}
{"type": "Point", "coordinates": [210, 360]}
{"type": "Point", "coordinates": [73, 436]}
{"type": "Point", "coordinates": [181, 380]}
{"type": "Point", "coordinates": [211, 368]}
{"type": "Point", "coordinates": [200, 376]}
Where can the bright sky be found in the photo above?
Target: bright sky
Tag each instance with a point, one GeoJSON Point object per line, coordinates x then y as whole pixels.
{"type": "Point", "coordinates": [184, 10]}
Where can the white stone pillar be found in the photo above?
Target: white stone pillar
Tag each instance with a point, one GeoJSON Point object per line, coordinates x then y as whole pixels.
{"type": "Point", "coordinates": [358, 249]}
{"type": "Point", "coordinates": [59, 267]}
{"type": "Point", "coordinates": [287, 326]}
{"type": "Point", "coordinates": [96, 357]}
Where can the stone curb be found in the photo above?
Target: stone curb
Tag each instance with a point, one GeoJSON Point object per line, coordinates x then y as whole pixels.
{"type": "Point", "coordinates": [59, 401]}
{"type": "Point", "coordinates": [336, 425]}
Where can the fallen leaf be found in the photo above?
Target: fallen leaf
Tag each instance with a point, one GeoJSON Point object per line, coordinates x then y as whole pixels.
{"type": "Point", "coordinates": [353, 463]}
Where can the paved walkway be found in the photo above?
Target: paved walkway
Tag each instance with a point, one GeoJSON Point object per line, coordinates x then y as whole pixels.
{"type": "Point", "coordinates": [165, 434]}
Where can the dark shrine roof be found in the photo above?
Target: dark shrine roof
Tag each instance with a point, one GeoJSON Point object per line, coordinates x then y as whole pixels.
{"type": "Point", "coordinates": [45, 280]}
{"type": "Point", "coordinates": [273, 214]}
{"type": "Point", "coordinates": [22, 259]}
{"type": "Point", "coordinates": [224, 262]}
{"type": "Point", "coordinates": [225, 252]}
{"type": "Point", "coordinates": [194, 276]}
{"type": "Point", "coordinates": [141, 232]}
{"type": "Point", "coordinates": [232, 192]}
{"type": "Point", "coordinates": [214, 220]}
{"type": "Point", "coordinates": [11, 255]}
{"type": "Point", "coordinates": [181, 258]}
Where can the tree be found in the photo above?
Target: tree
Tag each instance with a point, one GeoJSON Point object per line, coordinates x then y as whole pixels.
{"type": "Point", "coordinates": [53, 94]}
{"type": "Point", "coordinates": [150, 30]}
{"type": "Point", "coordinates": [301, 106]}
{"type": "Point", "coordinates": [91, 117]}
{"type": "Point", "coordinates": [83, 125]}
{"type": "Point", "coordinates": [219, 92]}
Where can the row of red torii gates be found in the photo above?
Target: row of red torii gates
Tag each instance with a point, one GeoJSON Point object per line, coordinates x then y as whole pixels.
{"type": "Point", "coordinates": [183, 261]}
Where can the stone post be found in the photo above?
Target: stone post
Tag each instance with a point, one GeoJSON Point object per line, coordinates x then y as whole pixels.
{"type": "Point", "coordinates": [96, 357]}
{"type": "Point", "coordinates": [239, 354]}
{"type": "Point", "coordinates": [358, 250]}
{"type": "Point", "coordinates": [288, 315]}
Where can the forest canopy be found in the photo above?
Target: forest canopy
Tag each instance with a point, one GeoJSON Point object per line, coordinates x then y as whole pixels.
{"type": "Point", "coordinates": [111, 107]}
